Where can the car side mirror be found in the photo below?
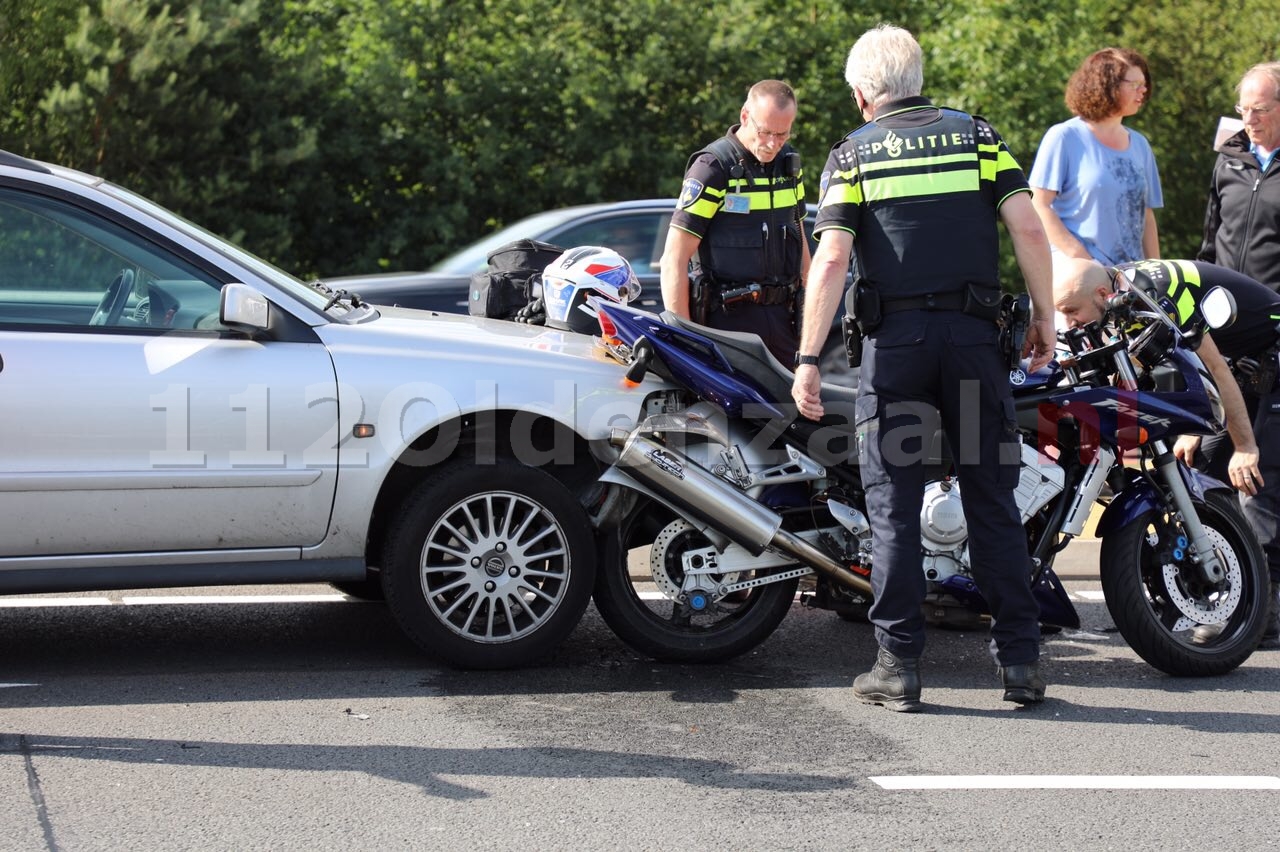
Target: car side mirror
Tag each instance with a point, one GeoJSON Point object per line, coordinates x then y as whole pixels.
{"type": "Point", "coordinates": [1218, 307]}
{"type": "Point", "coordinates": [244, 308]}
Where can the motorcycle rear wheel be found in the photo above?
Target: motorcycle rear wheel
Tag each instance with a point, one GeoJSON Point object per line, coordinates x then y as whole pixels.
{"type": "Point", "coordinates": [657, 626]}
{"type": "Point", "coordinates": [1149, 597]}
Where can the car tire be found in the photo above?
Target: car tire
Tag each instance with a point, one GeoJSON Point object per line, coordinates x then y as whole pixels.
{"type": "Point", "coordinates": [489, 567]}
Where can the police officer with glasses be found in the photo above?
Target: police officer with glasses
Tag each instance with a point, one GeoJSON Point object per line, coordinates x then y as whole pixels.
{"type": "Point", "coordinates": [740, 222]}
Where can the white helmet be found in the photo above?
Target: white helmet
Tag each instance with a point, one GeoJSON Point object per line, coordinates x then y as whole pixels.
{"type": "Point", "coordinates": [578, 273]}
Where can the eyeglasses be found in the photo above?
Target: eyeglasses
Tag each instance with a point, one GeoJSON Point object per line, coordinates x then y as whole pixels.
{"type": "Point", "coordinates": [1244, 110]}
{"type": "Point", "coordinates": [1136, 85]}
{"type": "Point", "coordinates": [767, 134]}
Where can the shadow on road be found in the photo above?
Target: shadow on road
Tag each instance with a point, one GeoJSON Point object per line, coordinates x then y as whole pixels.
{"type": "Point", "coordinates": [417, 765]}
{"type": "Point", "coordinates": [272, 652]}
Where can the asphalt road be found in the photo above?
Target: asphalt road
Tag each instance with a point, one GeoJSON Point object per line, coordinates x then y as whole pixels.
{"type": "Point", "coordinates": [295, 722]}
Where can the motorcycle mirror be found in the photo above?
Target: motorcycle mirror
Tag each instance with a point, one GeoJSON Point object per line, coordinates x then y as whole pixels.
{"type": "Point", "coordinates": [1218, 307]}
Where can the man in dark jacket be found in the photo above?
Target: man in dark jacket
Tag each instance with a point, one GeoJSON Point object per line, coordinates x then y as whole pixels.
{"type": "Point", "coordinates": [1242, 222]}
{"type": "Point", "coordinates": [1242, 232]}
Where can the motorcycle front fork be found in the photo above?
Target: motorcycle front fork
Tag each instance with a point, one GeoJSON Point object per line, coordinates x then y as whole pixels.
{"type": "Point", "coordinates": [1201, 553]}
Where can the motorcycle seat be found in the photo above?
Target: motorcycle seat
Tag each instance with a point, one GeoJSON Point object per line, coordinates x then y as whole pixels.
{"type": "Point", "coordinates": [748, 356]}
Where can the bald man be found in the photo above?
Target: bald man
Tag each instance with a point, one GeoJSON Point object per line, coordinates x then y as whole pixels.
{"type": "Point", "coordinates": [1081, 288]}
{"type": "Point", "coordinates": [1080, 292]}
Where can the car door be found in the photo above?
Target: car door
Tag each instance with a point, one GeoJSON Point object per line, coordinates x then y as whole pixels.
{"type": "Point", "coordinates": [132, 421]}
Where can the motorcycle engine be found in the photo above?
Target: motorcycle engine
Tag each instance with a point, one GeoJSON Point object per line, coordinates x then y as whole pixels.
{"type": "Point", "coordinates": [943, 532]}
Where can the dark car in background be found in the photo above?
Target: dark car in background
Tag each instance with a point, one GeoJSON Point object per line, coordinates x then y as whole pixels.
{"type": "Point", "coordinates": [635, 229]}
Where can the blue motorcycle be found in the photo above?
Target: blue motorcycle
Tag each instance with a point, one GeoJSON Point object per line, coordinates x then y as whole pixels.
{"type": "Point", "coordinates": [737, 499]}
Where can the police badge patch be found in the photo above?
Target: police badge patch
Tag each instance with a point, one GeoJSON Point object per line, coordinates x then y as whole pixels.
{"type": "Point", "coordinates": [822, 185]}
{"type": "Point", "coordinates": [690, 192]}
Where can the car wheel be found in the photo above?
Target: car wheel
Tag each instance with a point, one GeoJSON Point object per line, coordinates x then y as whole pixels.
{"type": "Point", "coordinates": [489, 567]}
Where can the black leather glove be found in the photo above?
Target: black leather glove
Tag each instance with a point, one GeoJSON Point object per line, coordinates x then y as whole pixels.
{"type": "Point", "coordinates": [534, 313]}
{"type": "Point", "coordinates": [1246, 366]}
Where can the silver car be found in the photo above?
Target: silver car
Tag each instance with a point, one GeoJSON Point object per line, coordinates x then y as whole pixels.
{"type": "Point", "coordinates": [177, 412]}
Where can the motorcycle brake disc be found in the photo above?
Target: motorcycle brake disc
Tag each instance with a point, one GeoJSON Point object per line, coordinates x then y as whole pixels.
{"type": "Point", "coordinates": [1196, 609]}
{"type": "Point", "coordinates": [666, 559]}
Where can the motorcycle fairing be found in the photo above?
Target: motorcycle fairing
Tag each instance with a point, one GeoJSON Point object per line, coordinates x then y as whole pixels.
{"type": "Point", "coordinates": [742, 373]}
{"type": "Point", "coordinates": [1056, 607]}
{"type": "Point", "coordinates": [1139, 496]}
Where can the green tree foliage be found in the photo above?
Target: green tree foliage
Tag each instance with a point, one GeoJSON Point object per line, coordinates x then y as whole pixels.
{"type": "Point", "coordinates": [32, 54]}
{"type": "Point", "coordinates": [1197, 50]}
{"type": "Point", "coordinates": [180, 103]}
{"type": "Point", "coordinates": [337, 136]}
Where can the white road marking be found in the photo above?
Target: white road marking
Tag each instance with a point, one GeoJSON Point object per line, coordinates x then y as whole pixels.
{"type": "Point", "coordinates": [171, 600]}
{"type": "Point", "coordinates": [22, 603]}
{"type": "Point", "coordinates": [12, 685]}
{"type": "Point", "coordinates": [1078, 782]}
{"type": "Point", "coordinates": [152, 600]}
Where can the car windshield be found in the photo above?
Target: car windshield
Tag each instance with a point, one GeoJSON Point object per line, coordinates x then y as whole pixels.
{"type": "Point", "coordinates": [475, 257]}
{"type": "Point", "coordinates": [293, 286]}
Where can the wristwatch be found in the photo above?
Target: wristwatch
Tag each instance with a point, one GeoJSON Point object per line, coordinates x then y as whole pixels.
{"type": "Point", "coordinates": [811, 360]}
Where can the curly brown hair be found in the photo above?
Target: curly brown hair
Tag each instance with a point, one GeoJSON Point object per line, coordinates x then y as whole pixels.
{"type": "Point", "coordinates": [1093, 92]}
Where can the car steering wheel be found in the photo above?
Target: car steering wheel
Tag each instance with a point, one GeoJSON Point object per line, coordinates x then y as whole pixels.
{"type": "Point", "coordinates": [113, 301]}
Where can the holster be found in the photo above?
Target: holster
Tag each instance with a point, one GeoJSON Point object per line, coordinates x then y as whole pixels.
{"type": "Point", "coordinates": [1015, 319]}
{"type": "Point", "coordinates": [863, 304]}
{"type": "Point", "coordinates": [700, 299]}
{"type": "Point", "coordinates": [852, 340]}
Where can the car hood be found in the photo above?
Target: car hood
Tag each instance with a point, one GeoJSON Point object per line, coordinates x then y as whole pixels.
{"type": "Point", "coordinates": [475, 347]}
{"type": "Point", "coordinates": [396, 281]}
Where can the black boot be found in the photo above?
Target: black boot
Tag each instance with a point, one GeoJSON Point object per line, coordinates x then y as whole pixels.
{"type": "Point", "coordinates": [892, 681]}
{"type": "Point", "coordinates": [1022, 683]}
{"type": "Point", "coordinates": [1271, 636]}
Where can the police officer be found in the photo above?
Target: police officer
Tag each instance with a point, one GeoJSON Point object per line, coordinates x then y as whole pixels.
{"type": "Point", "coordinates": [1080, 291]}
{"type": "Point", "coordinates": [1250, 459]}
{"type": "Point", "coordinates": [740, 220]}
{"type": "Point", "coordinates": [919, 189]}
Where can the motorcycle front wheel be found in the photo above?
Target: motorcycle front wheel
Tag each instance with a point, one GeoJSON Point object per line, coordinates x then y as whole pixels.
{"type": "Point", "coordinates": [640, 602]}
{"type": "Point", "coordinates": [1157, 602]}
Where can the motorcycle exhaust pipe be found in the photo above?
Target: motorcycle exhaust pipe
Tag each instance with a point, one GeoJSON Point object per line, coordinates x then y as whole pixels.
{"type": "Point", "coordinates": [701, 495]}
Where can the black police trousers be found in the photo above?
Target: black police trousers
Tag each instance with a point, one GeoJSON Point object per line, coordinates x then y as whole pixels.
{"type": "Point", "coordinates": [919, 369]}
{"type": "Point", "coordinates": [773, 323]}
{"type": "Point", "coordinates": [1263, 508]}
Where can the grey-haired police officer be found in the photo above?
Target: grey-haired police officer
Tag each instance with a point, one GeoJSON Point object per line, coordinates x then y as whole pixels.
{"type": "Point", "coordinates": [918, 189]}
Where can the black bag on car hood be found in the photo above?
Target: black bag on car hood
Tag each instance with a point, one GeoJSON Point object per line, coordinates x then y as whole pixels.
{"type": "Point", "coordinates": [515, 270]}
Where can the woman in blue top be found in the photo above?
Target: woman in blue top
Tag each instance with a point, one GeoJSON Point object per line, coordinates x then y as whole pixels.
{"type": "Point", "coordinates": [1094, 181]}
